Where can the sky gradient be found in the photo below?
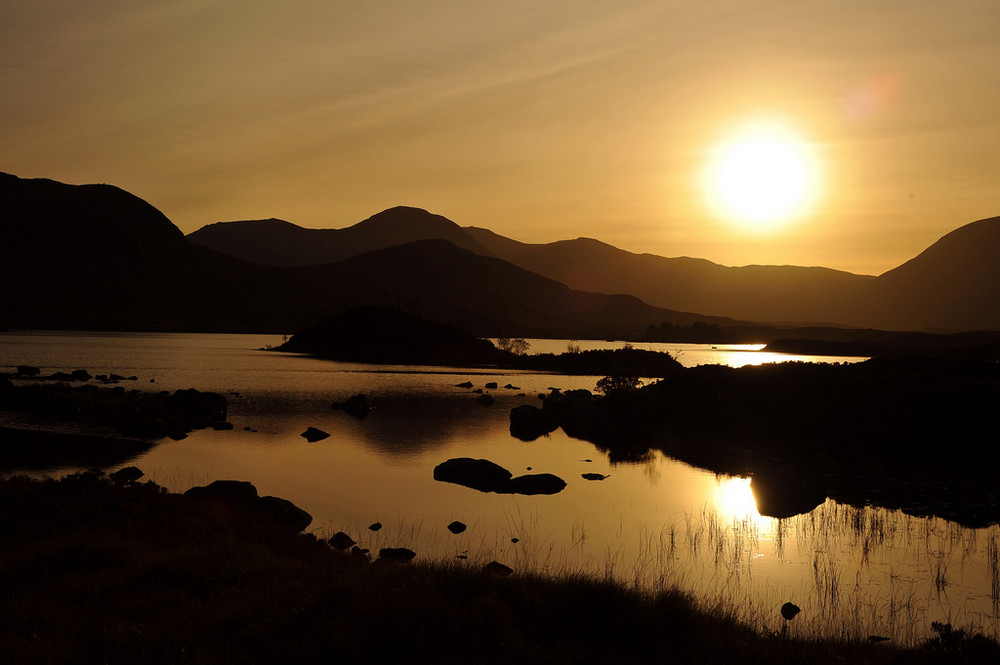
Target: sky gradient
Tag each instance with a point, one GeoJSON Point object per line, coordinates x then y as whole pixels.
{"type": "Point", "coordinates": [540, 121]}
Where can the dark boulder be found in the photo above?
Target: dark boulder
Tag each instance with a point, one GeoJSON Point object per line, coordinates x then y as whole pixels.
{"type": "Point", "coordinates": [456, 527]}
{"type": "Point", "coordinates": [528, 422]}
{"type": "Point", "coordinates": [237, 500]}
{"type": "Point", "coordinates": [594, 476]}
{"type": "Point", "coordinates": [535, 483]}
{"type": "Point", "coordinates": [312, 434]}
{"type": "Point", "coordinates": [341, 541]}
{"type": "Point", "coordinates": [498, 569]}
{"type": "Point", "coordinates": [81, 375]}
{"type": "Point", "coordinates": [128, 474]}
{"type": "Point", "coordinates": [785, 494]}
{"type": "Point", "coordinates": [464, 384]}
{"type": "Point", "coordinates": [486, 476]}
{"type": "Point", "coordinates": [27, 370]}
{"type": "Point", "coordinates": [356, 406]}
{"type": "Point", "coordinates": [396, 554]}
{"type": "Point", "coordinates": [492, 385]}
{"type": "Point", "coordinates": [479, 474]}
{"type": "Point", "coordinates": [789, 611]}
{"type": "Point", "coordinates": [284, 512]}
{"type": "Point", "coordinates": [375, 526]}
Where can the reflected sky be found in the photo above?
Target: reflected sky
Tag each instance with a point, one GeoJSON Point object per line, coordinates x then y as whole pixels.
{"type": "Point", "coordinates": [859, 571]}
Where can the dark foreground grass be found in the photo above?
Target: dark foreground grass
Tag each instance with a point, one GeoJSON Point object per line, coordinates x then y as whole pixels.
{"type": "Point", "coordinates": [94, 572]}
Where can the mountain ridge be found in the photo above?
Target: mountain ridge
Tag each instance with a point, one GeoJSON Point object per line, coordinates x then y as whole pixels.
{"type": "Point", "coordinates": [129, 268]}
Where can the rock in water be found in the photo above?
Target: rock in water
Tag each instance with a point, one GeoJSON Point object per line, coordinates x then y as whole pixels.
{"type": "Point", "coordinates": [479, 474]}
{"type": "Point", "coordinates": [789, 610]}
{"type": "Point", "coordinates": [312, 434]}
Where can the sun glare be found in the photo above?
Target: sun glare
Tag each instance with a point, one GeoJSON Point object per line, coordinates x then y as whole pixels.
{"type": "Point", "coordinates": [761, 176]}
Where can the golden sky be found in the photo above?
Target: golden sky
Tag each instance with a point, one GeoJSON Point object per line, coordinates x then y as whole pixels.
{"type": "Point", "coordinates": [539, 120]}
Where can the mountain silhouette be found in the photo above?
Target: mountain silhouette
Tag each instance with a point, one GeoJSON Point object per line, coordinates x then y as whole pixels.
{"type": "Point", "coordinates": [952, 285]}
{"type": "Point", "coordinates": [96, 257]}
{"type": "Point", "coordinates": [275, 242]}
{"type": "Point", "coordinates": [754, 293]}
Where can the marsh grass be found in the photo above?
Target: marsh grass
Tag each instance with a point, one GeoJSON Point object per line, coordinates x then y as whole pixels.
{"type": "Point", "coordinates": [93, 572]}
{"type": "Point", "coordinates": [857, 572]}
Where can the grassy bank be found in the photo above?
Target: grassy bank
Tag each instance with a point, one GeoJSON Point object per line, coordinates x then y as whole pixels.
{"type": "Point", "coordinates": [93, 571]}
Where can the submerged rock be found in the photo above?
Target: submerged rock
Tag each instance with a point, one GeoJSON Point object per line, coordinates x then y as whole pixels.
{"type": "Point", "coordinates": [536, 483]}
{"type": "Point", "coordinates": [312, 434]}
{"type": "Point", "coordinates": [356, 406]}
{"type": "Point", "coordinates": [528, 422]}
{"type": "Point", "coordinates": [784, 494]}
{"type": "Point", "coordinates": [594, 476]}
{"type": "Point", "coordinates": [479, 474]}
{"type": "Point", "coordinates": [456, 527]}
{"type": "Point", "coordinates": [487, 476]}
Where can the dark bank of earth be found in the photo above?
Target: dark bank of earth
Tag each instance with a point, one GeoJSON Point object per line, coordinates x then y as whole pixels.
{"type": "Point", "coordinates": [908, 432]}
{"type": "Point", "coordinates": [385, 335]}
{"type": "Point", "coordinates": [60, 424]}
{"type": "Point", "coordinates": [97, 571]}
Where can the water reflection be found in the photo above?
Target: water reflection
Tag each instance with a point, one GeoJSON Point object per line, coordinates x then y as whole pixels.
{"type": "Point", "coordinates": [853, 571]}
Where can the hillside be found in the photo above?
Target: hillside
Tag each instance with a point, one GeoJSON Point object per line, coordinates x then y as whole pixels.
{"type": "Point", "coordinates": [94, 257]}
{"type": "Point", "coordinates": [954, 285]}
{"type": "Point", "coordinates": [275, 242]}
{"type": "Point", "coordinates": [754, 293]}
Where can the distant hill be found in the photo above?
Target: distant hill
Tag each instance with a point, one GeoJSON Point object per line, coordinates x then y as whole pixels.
{"type": "Point", "coordinates": [386, 335]}
{"type": "Point", "coordinates": [96, 257]}
{"type": "Point", "coordinates": [952, 285]}
{"type": "Point", "coordinates": [753, 293]}
{"type": "Point", "coordinates": [275, 242]}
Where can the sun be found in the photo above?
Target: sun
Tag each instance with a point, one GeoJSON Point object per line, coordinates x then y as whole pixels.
{"type": "Point", "coordinates": [761, 176]}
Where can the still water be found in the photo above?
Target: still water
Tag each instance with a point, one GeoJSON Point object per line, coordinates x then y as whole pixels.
{"type": "Point", "coordinates": [854, 572]}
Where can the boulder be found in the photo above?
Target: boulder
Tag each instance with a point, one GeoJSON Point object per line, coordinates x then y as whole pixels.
{"type": "Point", "coordinates": [375, 526]}
{"type": "Point", "coordinates": [498, 569]}
{"type": "Point", "coordinates": [491, 385]}
{"type": "Point", "coordinates": [535, 483]}
{"type": "Point", "coordinates": [464, 384]}
{"type": "Point", "coordinates": [341, 541]}
{"type": "Point", "coordinates": [128, 474]}
{"type": "Point", "coordinates": [528, 422]}
{"type": "Point", "coordinates": [486, 476]}
{"type": "Point", "coordinates": [456, 527]}
{"type": "Point", "coordinates": [81, 375]}
{"type": "Point", "coordinates": [238, 500]}
{"type": "Point", "coordinates": [284, 512]}
{"type": "Point", "coordinates": [789, 611]}
{"type": "Point", "coordinates": [356, 406]}
{"type": "Point", "coordinates": [312, 434]}
{"type": "Point", "coordinates": [397, 554]}
{"type": "Point", "coordinates": [27, 370]}
{"type": "Point", "coordinates": [784, 493]}
{"type": "Point", "coordinates": [594, 476]}
{"type": "Point", "coordinates": [479, 474]}
{"type": "Point", "coordinates": [485, 400]}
